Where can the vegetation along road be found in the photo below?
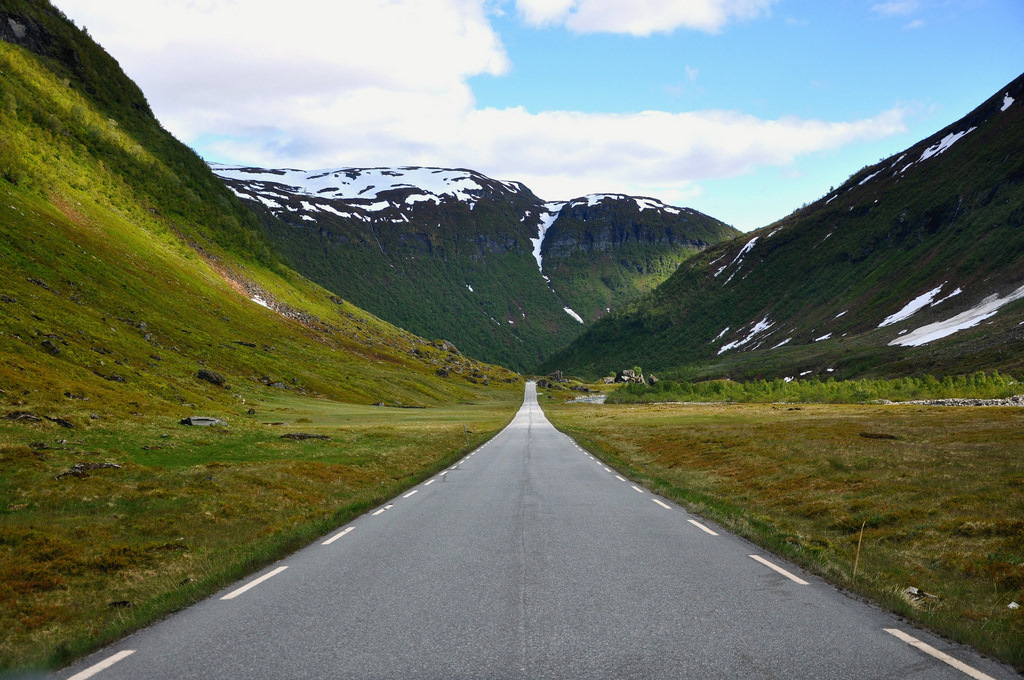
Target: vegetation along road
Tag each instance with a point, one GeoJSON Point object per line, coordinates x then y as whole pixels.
{"type": "Point", "coordinates": [529, 558]}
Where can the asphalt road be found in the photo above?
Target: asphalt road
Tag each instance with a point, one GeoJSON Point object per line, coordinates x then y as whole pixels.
{"type": "Point", "coordinates": [530, 559]}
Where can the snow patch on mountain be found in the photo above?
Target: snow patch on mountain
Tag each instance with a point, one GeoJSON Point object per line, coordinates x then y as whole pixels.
{"type": "Point", "coordinates": [573, 314]}
{"type": "Point", "coordinates": [366, 184]}
{"type": "Point", "coordinates": [1007, 101]}
{"type": "Point", "coordinates": [911, 307]}
{"type": "Point", "coordinates": [759, 327]}
{"type": "Point", "coordinates": [547, 218]}
{"type": "Point", "coordinates": [943, 145]}
{"type": "Point", "coordinates": [739, 258]}
{"type": "Point", "coordinates": [972, 317]}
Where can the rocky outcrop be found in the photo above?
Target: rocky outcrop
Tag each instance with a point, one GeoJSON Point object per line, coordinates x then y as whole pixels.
{"type": "Point", "coordinates": [1017, 400]}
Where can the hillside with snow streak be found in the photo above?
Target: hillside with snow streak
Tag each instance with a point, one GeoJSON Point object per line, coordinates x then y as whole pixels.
{"type": "Point", "coordinates": [913, 264]}
{"type": "Point", "coordinates": [453, 253]}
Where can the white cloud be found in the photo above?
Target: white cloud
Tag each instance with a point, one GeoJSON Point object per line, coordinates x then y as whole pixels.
{"type": "Point", "coordinates": [896, 7]}
{"type": "Point", "coordinates": [384, 82]}
{"type": "Point", "coordinates": [640, 17]}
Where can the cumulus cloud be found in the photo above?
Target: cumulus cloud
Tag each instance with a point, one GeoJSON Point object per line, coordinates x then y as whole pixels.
{"type": "Point", "coordinates": [640, 17]}
{"type": "Point", "coordinates": [331, 83]}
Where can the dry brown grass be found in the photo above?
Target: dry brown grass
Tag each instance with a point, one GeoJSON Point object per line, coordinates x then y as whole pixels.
{"type": "Point", "coordinates": [942, 504]}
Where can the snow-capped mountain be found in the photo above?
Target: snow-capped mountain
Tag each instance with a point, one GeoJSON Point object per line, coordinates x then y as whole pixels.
{"type": "Point", "coordinates": [456, 254]}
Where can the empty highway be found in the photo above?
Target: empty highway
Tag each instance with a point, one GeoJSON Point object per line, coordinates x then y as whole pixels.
{"type": "Point", "coordinates": [531, 559]}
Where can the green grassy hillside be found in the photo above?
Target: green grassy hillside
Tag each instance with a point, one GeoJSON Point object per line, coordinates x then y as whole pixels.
{"type": "Point", "coordinates": [830, 290]}
{"type": "Point", "coordinates": [605, 253]}
{"type": "Point", "coordinates": [128, 267]}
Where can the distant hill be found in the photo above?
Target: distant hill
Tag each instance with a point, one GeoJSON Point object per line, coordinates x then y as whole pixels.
{"type": "Point", "coordinates": [131, 275]}
{"type": "Point", "coordinates": [452, 253]}
{"type": "Point", "coordinates": [914, 264]}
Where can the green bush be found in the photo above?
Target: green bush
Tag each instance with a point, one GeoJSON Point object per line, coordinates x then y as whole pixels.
{"type": "Point", "coordinates": [980, 385]}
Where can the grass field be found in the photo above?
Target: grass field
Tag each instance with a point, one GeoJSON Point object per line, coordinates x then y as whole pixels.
{"type": "Point", "coordinates": [939, 492]}
{"type": "Point", "coordinates": [191, 509]}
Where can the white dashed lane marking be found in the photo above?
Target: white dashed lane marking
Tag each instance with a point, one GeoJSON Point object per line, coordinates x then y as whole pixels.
{"type": "Point", "coordinates": [386, 507]}
{"type": "Point", "coordinates": [102, 665]}
{"type": "Point", "coordinates": [779, 569]}
{"type": "Point", "coordinates": [664, 505]}
{"type": "Point", "coordinates": [235, 593]}
{"type": "Point", "coordinates": [620, 478]}
{"type": "Point", "coordinates": [429, 482]}
{"type": "Point", "coordinates": [637, 488]}
{"type": "Point", "coordinates": [941, 656]}
{"type": "Point", "coordinates": [336, 536]}
{"type": "Point", "coordinates": [411, 493]}
{"type": "Point", "coordinates": [701, 527]}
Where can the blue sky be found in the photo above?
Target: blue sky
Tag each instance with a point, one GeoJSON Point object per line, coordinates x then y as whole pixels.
{"type": "Point", "coordinates": [743, 109]}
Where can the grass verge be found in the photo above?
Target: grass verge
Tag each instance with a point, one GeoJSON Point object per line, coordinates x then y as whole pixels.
{"type": "Point", "coordinates": [193, 509]}
{"type": "Point", "coordinates": [939, 492]}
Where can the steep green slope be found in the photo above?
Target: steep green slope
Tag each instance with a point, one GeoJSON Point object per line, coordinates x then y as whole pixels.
{"type": "Point", "coordinates": [455, 269]}
{"type": "Point", "coordinates": [453, 253]}
{"type": "Point", "coordinates": [912, 265]}
{"type": "Point", "coordinates": [128, 267]}
{"type": "Point", "coordinates": [605, 251]}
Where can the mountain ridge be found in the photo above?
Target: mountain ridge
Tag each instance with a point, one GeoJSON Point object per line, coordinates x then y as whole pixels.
{"type": "Point", "coordinates": [451, 252]}
{"type": "Point", "coordinates": [811, 292]}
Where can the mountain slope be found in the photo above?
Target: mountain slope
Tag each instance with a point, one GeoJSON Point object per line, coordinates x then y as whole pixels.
{"type": "Point", "coordinates": [453, 253]}
{"type": "Point", "coordinates": [129, 268]}
{"type": "Point", "coordinates": [914, 264]}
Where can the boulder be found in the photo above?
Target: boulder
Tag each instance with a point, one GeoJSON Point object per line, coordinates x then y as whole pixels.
{"type": "Point", "coordinates": [446, 346]}
{"type": "Point", "coordinates": [211, 377]}
{"type": "Point", "coordinates": [82, 469]}
{"type": "Point", "coordinates": [60, 421]}
{"type": "Point", "coordinates": [25, 416]}
{"type": "Point", "coordinates": [203, 421]}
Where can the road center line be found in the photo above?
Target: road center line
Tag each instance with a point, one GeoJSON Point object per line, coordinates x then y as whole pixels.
{"type": "Point", "coordinates": [429, 482]}
{"type": "Point", "coordinates": [235, 593]}
{"type": "Point", "coordinates": [941, 656]}
{"type": "Point", "coordinates": [386, 507]}
{"type": "Point", "coordinates": [637, 488]}
{"type": "Point", "coordinates": [664, 505]}
{"type": "Point", "coordinates": [411, 493]}
{"type": "Point", "coordinates": [701, 527]}
{"type": "Point", "coordinates": [336, 536]}
{"type": "Point", "coordinates": [780, 570]}
{"type": "Point", "coordinates": [102, 665]}
{"type": "Point", "coordinates": [620, 478]}
{"type": "Point", "coordinates": [607, 469]}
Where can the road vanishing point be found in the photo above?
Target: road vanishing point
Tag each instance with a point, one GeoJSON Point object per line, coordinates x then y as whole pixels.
{"type": "Point", "coordinates": [531, 559]}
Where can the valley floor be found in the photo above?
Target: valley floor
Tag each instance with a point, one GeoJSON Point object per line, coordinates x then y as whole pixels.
{"type": "Point", "coordinates": [939, 492]}
{"type": "Point", "coordinates": [87, 557]}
